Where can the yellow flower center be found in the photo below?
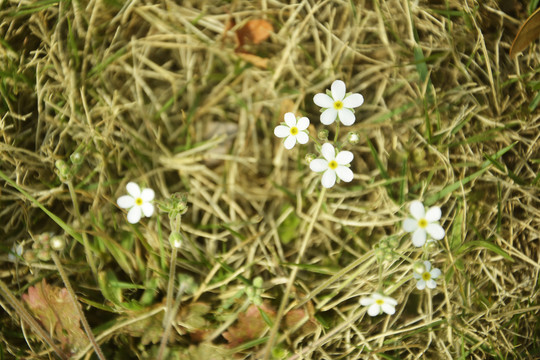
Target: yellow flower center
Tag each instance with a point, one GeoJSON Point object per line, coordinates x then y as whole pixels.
{"type": "Point", "coordinates": [333, 164]}
{"type": "Point", "coordinates": [379, 301]}
{"type": "Point", "coordinates": [294, 130]}
{"type": "Point", "coordinates": [422, 223]}
{"type": "Point", "coordinates": [138, 201]}
{"type": "Point", "coordinates": [426, 276]}
{"type": "Point", "coordinates": [338, 105]}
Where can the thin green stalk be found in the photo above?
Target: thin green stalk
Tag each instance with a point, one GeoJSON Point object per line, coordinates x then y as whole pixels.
{"type": "Point", "coordinates": [175, 228]}
{"type": "Point", "coordinates": [86, 244]}
{"type": "Point", "coordinates": [77, 306]}
{"type": "Point", "coordinates": [292, 277]}
{"type": "Point", "coordinates": [170, 316]}
{"type": "Point", "coordinates": [27, 318]}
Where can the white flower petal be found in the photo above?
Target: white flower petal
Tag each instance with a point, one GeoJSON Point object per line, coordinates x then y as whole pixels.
{"type": "Point", "coordinates": [290, 119]}
{"type": "Point", "coordinates": [338, 90]}
{"type": "Point", "coordinates": [147, 194]}
{"type": "Point", "coordinates": [344, 157]}
{"type": "Point", "coordinates": [417, 209]}
{"type": "Point", "coordinates": [328, 179]}
{"type": "Point", "coordinates": [134, 215]}
{"type": "Point", "coordinates": [328, 151]}
{"type": "Point", "coordinates": [303, 123]}
{"type": "Point", "coordinates": [374, 310]}
{"type": "Point", "coordinates": [346, 117]}
{"type": "Point", "coordinates": [419, 237]}
{"type": "Point", "coordinates": [366, 301]}
{"type": "Point", "coordinates": [125, 201]}
{"type": "Point", "coordinates": [147, 209]}
{"type": "Point", "coordinates": [435, 273]}
{"type": "Point", "coordinates": [435, 231]}
{"type": "Point", "coordinates": [421, 285]}
{"type": "Point", "coordinates": [427, 265]}
{"type": "Point", "coordinates": [289, 142]}
{"type": "Point", "coordinates": [282, 131]}
{"type": "Point", "coordinates": [323, 101]}
{"type": "Point", "coordinates": [390, 300]}
{"type": "Point", "coordinates": [417, 276]}
{"type": "Point", "coordinates": [353, 100]}
{"type": "Point", "coordinates": [344, 173]}
{"type": "Point", "coordinates": [431, 284]}
{"type": "Point", "coordinates": [302, 137]}
{"type": "Point", "coordinates": [388, 309]}
{"type": "Point", "coordinates": [410, 225]}
{"type": "Point", "coordinates": [329, 116]}
{"type": "Point", "coordinates": [133, 189]}
{"type": "Point", "coordinates": [318, 165]}
{"type": "Point", "coordinates": [433, 214]}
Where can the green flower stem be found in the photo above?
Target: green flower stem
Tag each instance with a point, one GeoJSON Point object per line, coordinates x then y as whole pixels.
{"type": "Point", "coordinates": [292, 277]}
{"type": "Point", "coordinates": [315, 140]}
{"type": "Point", "coordinates": [175, 227]}
{"type": "Point", "coordinates": [170, 314]}
{"type": "Point", "coordinates": [27, 318]}
{"type": "Point", "coordinates": [77, 306]}
{"type": "Point", "coordinates": [89, 256]}
{"type": "Point", "coordinates": [337, 131]}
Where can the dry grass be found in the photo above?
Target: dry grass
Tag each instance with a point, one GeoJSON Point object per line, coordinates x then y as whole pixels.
{"type": "Point", "coordinates": [153, 92]}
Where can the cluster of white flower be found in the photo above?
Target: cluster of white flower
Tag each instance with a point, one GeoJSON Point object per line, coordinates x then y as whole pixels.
{"type": "Point", "coordinates": [422, 224]}
{"type": "Point", "coordinates": [336, 104]}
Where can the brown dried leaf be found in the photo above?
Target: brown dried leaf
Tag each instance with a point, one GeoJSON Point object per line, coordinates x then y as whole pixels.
{"type": "Point", "coordinates": [528, 32]}
{"type": "Point", "coordinates": [254, 32]}
{"type": "Point", "coordinates": [54, 309]}
{"type": "Point", "coordinates": [250, 326]}
{"type": "Point", "coordinates": [293, 317]}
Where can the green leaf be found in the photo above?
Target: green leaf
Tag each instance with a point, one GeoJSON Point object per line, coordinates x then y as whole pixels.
{"type": "Point", "coordinates": [55, 218]}
{"type": "Point", "coordinates": [288, 229]}
{"type": "Point", "coordinates": [458, 184]}
{"type": "Point", "coordinates": [378, 161]}
{"type": "Point", "coordinates": [468, 246]}
{"type": "Point", "coordinates": [456, 236]}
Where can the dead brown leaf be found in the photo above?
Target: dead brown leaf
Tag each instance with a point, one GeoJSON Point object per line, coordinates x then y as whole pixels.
{"type": "Point", "coordinates": [249, 326]}
{"type": "Point", "coordinates": [254, 32]}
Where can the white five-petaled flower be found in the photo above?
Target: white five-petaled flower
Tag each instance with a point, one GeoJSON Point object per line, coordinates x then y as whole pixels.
{"type": "Point", "coordinates": [338, 105]}
{"type": "Point", "coordinates": [138, 202]}
{"type": "Point", "coordinates": [333, 165]}
{"type": "Point", "coordinates": [293, 130]}
{"type": "Point", "coordinates": [423, 223]}
{"type": "Point", "coordinates": [426, 278]}
{"type": "Point", "coordinates": [377, 303]}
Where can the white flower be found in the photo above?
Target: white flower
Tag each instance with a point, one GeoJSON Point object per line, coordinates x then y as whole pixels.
{"type": "Point", "coordinates": [293, 130]}
{"type": "Point", "coordinates": [426, 278]}
{"type": "Point", "coordinates": [139, 202]}
{"type": "Point", "coordinates": [338, 105]}
{"type": "Point", "coordinates": [423, 223]}
{"type": "Point", "coordinates": [333, 165]}
{"type": "Point", "coordinates": [378, 302]}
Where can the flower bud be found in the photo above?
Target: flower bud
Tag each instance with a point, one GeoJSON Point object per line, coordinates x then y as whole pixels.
{"type": "Point", "coordinates": [176, 239]}
{"type": "Point", "coordinates": [57, 243]}
{"type": "Point", "coordinates": [76, 158]}
{"type": "Point", "coordinates": [309, 157]}
{"type": "Point", "coordinates": [323, 135]}
{"type": "Point", "coordinates": [419, 267]}
{"type": "Point", "coordinates": [63, 171]}
{"type": "Point", "coordinates": [258, 282]}
{"type": "Point", "coordinates": [353, 138]}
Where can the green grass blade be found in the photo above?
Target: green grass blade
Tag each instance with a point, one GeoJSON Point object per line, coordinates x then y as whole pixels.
{"type": "Point", "coordinates": [55, 218]}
